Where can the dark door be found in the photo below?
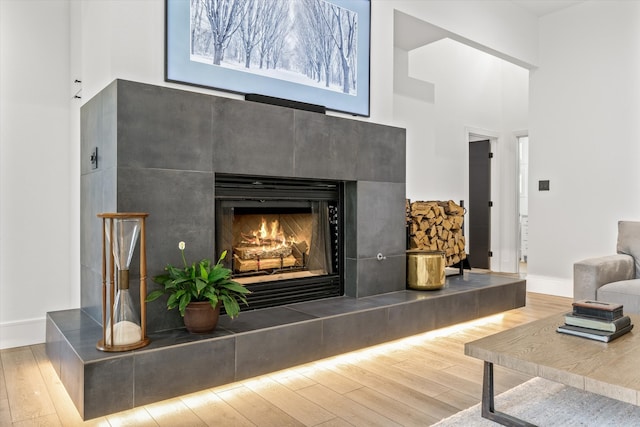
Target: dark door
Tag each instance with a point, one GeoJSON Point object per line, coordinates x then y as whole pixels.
{"type": "Point", "coordinates": [479, 215]}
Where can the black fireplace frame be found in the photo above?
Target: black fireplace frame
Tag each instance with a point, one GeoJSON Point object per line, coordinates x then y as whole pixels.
{"type": "Point", "coordinates": [242, 191]}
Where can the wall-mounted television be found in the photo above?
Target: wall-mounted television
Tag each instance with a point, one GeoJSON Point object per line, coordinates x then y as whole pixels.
{"type": "Point", "coordinates": [309, 51]}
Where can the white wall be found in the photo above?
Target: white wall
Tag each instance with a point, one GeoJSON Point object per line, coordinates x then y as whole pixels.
{"type": "Point", "coordinates": [121, 39]}
{"type": "Point", "coordinates": [477, 92]}
{"type": "Point", "coordinates": [585, 137]}
{"type": "Point", "coordinates": [36, 230]}
{"type": "Point", "coordinates": [39, 157]}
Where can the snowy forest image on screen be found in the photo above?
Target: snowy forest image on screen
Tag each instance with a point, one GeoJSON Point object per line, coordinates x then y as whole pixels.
{"type": "Point", "coordinates": [310, 42]}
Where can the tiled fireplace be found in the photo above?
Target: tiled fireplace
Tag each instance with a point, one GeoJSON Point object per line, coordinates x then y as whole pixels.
{"type": "Point", "coordinates": [170, 153]}
{"type": "Point", "coordinates": [338, 210]}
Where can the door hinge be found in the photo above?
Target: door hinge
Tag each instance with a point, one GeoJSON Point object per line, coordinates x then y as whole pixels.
{"type": "Point", "coordinates": [490, 204]}
{"type": "Point", "coordinates": [490, 254]}
{"type": "Point", "coordinates": [490, 155]}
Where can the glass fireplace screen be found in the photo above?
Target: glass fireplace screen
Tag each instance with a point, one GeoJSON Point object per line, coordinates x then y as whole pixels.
{"type": "Point", "coordinates": [284, 237]}
{"type": "Point", "coordinates": [279, 240]}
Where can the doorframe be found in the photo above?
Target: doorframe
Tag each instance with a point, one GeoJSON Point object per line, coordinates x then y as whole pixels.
{"type": "Point", "coordinates": [517, 135]}
{"type": "Point", "coordinates": [477, 134]}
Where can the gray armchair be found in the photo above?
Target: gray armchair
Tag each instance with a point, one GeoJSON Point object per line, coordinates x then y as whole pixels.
{"type": "Point", "coordinates": [613, 278]}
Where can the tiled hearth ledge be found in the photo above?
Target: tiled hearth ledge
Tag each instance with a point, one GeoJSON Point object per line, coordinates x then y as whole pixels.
{"type": "Point", "coordinates": [258, 342]}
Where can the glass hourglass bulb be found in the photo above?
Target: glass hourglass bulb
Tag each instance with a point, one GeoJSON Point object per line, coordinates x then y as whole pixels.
{"type": "Point", "coordinates": [126, 323]}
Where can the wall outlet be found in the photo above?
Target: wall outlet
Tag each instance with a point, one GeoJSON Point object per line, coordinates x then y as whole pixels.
{"type": "Point", "coordinates": [543, 185]}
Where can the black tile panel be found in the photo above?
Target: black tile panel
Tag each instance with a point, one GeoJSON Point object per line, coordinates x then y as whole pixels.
{"type": "Point", "coordinates": [381, 219]}
{"type": "Point", "coordinates": [159, 340]}
{"type": "Point", "coordinates": [475, 280]}
{"type": "Point", "coordinates": [334, 306]}
{"type": "Point", "coordinates": [350, 234]}
{"type": "Point", "coordinates": [84, 341]}
{"type": "Point", "coordinates": [182, 369]}
{"type": "Point", "coordinates": [252, 138]}
{"type": "Point", "coordinates": [496, 299]}
{"type": "Point", "coordinates": [163, 128]}
{"type": "Point", "coordinates": [397, 298]}
{"type": "Point", "coordinates": [249, 321]}
{"type": "Point", "coordinates": [277, 348]}
{"type": "Point", "coordinates": [381, 276]}
{"type": "Point", "coordinates": [54, 342]}
{"type": "Point", "coordinates": [91, 299]}
{"type": "Point", "coordinates": [96, 190]}
{"type": "Point", "coordinates": [412, 318]}
{"type": "Point", "coordinates": [356, 330]}
{"type": "Point", "coordinates": [324, 147]}
{"type": "Point", "coordinates": [72, 375]}
{"type": "Point", "coordinates": [181, 208]}
{"type": "Point", "coordinates": [456, 308]}
{"type": "Point", "coordinates": [108, 386]}
{"type": "Point", "coordinates": [351, 277]}
{"type": "Point", "coordinates": [98, 128]}
{"type": "Point", "coordinates": [69, 320]}
{"type": "Point", "coordinates": [381, 153]}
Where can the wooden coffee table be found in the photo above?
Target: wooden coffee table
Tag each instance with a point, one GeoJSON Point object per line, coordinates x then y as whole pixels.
{"type": "Point", "coordinates": [608, 369]}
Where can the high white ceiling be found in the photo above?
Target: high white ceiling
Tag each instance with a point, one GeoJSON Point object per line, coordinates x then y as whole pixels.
{"type": "Point", "coordinates": [410, 32]}
{"type": "Point", "coordinates": [544, 7]}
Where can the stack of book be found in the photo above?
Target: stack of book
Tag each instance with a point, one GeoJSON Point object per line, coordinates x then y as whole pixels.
{"type": "Point", "coordinates": [596, 320]}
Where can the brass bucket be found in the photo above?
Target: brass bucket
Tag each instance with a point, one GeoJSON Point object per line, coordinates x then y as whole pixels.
{"type": "Point", "coordinates": [425, 269]}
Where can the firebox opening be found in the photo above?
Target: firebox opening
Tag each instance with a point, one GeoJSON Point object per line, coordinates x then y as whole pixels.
{"type": "Point", "coordinates": [277, 241]}
{"type": "Point", "coordinates": [284, 237]}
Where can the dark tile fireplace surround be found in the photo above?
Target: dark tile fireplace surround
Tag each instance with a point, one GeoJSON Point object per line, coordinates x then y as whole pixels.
{"type": "Point", "coordinates": [159, 150]}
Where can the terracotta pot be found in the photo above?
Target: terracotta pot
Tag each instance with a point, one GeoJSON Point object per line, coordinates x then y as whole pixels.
{"type": "Point", "coordinates": [200, 317]}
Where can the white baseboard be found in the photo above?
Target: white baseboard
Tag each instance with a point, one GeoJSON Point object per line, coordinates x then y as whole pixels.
{"type": "Point", "coordinates": [21, 333]}
{"type": "Point", "coordinates": [550, 285]}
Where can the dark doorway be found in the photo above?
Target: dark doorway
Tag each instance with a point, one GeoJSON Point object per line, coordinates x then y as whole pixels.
{"type": "Point", "coordinates": [480, 204]}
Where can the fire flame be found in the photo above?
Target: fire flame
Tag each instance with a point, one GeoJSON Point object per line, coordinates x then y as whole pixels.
{"type": "Point", "coordinates": [272, 235]}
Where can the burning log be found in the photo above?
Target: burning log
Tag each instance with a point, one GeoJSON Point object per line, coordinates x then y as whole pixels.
{"type": "Point", "coordinates": [437, 226]}
{"type": "Point", "coordinates": [245, 265]}
{"type": "Point", "coordinates": [267, 248]}
{"type": "Point", "coordinates": [262, 252]}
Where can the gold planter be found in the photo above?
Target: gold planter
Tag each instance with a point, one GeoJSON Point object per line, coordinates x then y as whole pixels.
{"type": "Point", "coordinates": [425, 269]}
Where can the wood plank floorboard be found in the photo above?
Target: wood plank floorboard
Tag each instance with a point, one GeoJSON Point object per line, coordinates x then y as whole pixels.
{"type": "Point", "coordinates": [417, 399]}
{"type": "Point", "coordinates": [413, 382]}
{"type": "Point", "coordinates": [257, 409]}
{"type": "Point", "coordinates": [173, 412]}
{"type": "Point", "coordinates": [424, 385]}
{"type": "Point", "coordinates": [345, 408]}
{"type": "Point", "coordinates": [214, 411]}
{"type": "Point", "coordinates": [303, 410]}
{"type": "Point", "coordinates": [26, 391]}
{"type": "Point", "coordinates": [399, 412]}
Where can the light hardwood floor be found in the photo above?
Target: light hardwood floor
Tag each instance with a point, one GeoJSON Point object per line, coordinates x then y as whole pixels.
{"type": "Point", "coordinates": [412, 382]}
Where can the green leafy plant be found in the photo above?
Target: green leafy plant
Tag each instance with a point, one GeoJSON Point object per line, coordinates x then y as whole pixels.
{"type": "Point", "coordinates": [200, 282]}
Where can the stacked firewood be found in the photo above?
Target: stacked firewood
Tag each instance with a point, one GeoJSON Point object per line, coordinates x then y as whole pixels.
{"type": "Point", "coordinates": [437, 226]}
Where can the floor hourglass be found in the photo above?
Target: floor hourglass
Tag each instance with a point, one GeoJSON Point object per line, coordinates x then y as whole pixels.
{"type": "Point", "coordinates": [123, 324]}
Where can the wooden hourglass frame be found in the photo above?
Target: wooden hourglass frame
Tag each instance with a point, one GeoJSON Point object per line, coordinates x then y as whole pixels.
{"type": "Point", "coordinates": [109, 296]}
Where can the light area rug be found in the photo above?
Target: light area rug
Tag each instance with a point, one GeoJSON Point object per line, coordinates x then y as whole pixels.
{"type": "Point", "coordinates": [546, 403]}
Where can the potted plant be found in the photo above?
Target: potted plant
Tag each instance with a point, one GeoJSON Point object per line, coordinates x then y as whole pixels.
{"type": "Point", "coordinates": [198, 290]}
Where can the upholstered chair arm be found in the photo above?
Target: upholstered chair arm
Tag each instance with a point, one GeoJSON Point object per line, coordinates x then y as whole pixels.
{"type": "Point", "coordinates": [590, 274]}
